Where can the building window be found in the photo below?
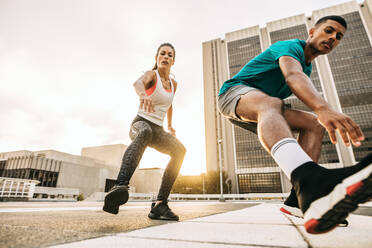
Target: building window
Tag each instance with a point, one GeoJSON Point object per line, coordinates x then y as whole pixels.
{"type": "Point", "coordinates": [351, 66]}
{"type": "Point", "coordinates": [46, 178]}
{"type": "Point", "coordinates": [260, 183]}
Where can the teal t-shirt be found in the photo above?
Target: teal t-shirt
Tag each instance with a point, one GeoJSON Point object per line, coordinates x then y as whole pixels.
{"type": "Point", "coordinates": [263, 72]}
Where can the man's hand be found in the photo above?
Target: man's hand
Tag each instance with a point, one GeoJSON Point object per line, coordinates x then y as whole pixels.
{"type": "Point", "coordinates": [346, 127]}
{"type": "Point", "coordinates": [146, 104]}
{"type": "Point", "coordinates": [172, 131]}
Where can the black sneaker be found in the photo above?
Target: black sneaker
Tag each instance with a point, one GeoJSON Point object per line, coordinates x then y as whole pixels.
{"type": "Point", "coordinates": [162, 212]}
{"type": "Point", "coordinates": [344, 223]}
{"type": "Point", "coordinates": [327, 196]}
{"type": "Point", "coordinates": [290, 206]}
{"type": "Point", "coordinates": [117, 196]}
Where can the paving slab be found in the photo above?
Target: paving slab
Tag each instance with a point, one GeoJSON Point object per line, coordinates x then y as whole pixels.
{"type": "Point", "coordinates": [119, 242]}
{"type": "Point", "coordinates": [262, 225]}
{"type": "Point", "coordinates": [258, 226]}
{"type": "Point", "coordinates": [35, 225]}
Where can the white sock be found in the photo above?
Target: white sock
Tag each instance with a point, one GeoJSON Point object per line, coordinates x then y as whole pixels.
{"type": "Point", "coordinates": [289, 155]}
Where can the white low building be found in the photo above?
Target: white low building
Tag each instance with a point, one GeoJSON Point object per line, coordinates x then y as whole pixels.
{"type": "Point", "coordinates": [63, 175]}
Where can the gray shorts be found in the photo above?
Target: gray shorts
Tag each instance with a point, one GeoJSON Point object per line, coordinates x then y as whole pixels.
{"type": "Point", "coordinates": [227, 106]}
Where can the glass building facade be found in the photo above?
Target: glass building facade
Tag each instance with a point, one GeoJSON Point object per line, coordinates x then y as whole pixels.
{"type": "Point", "coordinates": [26, 167]}
{"type": "Point", "coordinates": [351, 66]}
{"type": "Point", "coordinates": [348, 67]}
{"type": "Point", "coordinates": [329, 152]}
{"type": "Point", "coordinates": [252, 161]}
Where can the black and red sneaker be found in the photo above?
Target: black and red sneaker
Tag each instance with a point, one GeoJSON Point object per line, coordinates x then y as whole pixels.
{"type": "Point", "coordinates": [162, 211]}
{"type": "Point", "coordinates": [290, 207]}
{"type": "Point", "coordinates": [117, 196]}
{"type": "Point", "coordinates": [327, 196]}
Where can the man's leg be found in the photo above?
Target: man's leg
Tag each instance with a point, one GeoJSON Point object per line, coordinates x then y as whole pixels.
{"type": "Point", "coordinates": [273, 129]}
{"type": "Point", "coordinates": [256, 106]}
{"type": "Point", "coordinates": [325, 196]}
{"type": "Point", "coordinates": [310, 131]}
{"type": "Point", "coordinates": [310, 136]}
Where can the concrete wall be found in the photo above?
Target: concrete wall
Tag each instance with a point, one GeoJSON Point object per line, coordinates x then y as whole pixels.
{"type": "Point", "coordinates": [70, 158]}
{"type": "Point", "coordinates": [6, 155]}
{"type": "Point", "coordinates": [209, 105]}
{"type": "Point", "coordinates": [147, 180]}
{"type": "Point", "coordinates": [366, 9]}
{"type": "Point", "coordinates": [215, 73]}
{"type": "Point", "coordinates": [110, 154]}
{"type": "Point", "coordinates": [87, 179]}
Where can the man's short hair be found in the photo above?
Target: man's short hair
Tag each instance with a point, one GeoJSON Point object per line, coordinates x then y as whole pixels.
{"type": "Point", "coordinates": [336, 18]}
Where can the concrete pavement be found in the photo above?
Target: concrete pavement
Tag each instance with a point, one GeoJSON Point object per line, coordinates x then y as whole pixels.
{"type": "Point", "coordinates": [262, 225]}
{"type": "Point", "coordinates": [43, 224]}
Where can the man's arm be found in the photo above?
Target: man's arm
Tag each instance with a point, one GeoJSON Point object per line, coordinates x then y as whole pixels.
{"type": "Point", "coordinates": [301, 85]}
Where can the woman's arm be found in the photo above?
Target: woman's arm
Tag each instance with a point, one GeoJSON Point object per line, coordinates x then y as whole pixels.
{"type": "Point", "coordinates": [169, 118]}
{"type": "Point", "coordinates": [170, 113]}
{"type": "Point", "coordinates": [143, 83]}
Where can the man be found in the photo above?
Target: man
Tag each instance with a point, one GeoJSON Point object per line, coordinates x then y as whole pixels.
{"type": "Point", "coordinates": [252, 99]}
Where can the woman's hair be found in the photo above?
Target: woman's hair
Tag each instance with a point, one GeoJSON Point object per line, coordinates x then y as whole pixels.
{"type": "Point", "coordinates": [162, 45]}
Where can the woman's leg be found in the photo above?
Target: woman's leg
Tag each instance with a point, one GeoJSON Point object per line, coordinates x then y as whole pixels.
{"type": "Point", "coordinates": [166, 143]}
{"type": "Point", "coordinates": [141, 134]}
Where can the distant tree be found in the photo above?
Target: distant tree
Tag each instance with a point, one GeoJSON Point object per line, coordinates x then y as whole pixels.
{"type": "Point", "coordinates": [80, 197]}
{"type": "Point", "coordinates": [212, 182]}
{"type": "Point", "coordinates": [194, 184]}
{"type": "Point", "coordinates": [188, 185]}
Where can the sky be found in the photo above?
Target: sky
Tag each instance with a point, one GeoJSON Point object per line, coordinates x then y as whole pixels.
{"type": "Point", "coordinates": [67, 67]}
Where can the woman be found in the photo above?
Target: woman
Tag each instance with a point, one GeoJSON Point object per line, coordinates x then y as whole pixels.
{"type": "Point", "coordinates": [155, 90]}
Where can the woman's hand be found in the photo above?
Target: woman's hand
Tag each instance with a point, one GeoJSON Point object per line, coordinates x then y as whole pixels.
{"type": "Point", "coordinates": [146, 103]}
{"type": "Point", "coordinates": [140, 86]}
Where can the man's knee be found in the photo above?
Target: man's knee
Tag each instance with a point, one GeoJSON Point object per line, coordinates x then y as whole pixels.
{"type": "Point", "coordinates": [317, 128]}
{"type": "Point", "coordinates": [275, 104]}
{"type": "Point", "coordinates": [272, 104]}
{"type": "Point", "coordinates": [251, 105]}
{"type": "Point", "coordinates": [311, 124]}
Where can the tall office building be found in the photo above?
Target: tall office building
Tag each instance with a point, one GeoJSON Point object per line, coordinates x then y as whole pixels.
{"type": "Point", "coordinates": [343, 77]}
{"type": "Point", "coordinates": [217, 128]}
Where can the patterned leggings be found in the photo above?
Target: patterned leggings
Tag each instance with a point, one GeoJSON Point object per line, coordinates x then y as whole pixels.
{"type": "Point", "coordinates": [145, 133]}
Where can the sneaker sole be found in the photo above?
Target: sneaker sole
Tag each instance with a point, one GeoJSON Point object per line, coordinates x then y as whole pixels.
{"type": "Point", "coordinates": [298, 213]}
{"type": "Point", "coordinates": [344, 223]}
{"type": "Point", "coordinates": [292, 211]}
{"type": "Point", "coordinates": [158, 217]}
{"type": "Point", "coordinates": [114, 199]}
{"type": "Point", "coordinates": [327, 212]}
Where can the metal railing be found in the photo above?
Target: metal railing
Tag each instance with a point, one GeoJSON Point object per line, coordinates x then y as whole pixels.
{"type": "Point", "coordinates": [56, 193]}
{"type": "Point", "coordinates": [210, 197]}
{"type": "Point", "coordinates": [17, 188]}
